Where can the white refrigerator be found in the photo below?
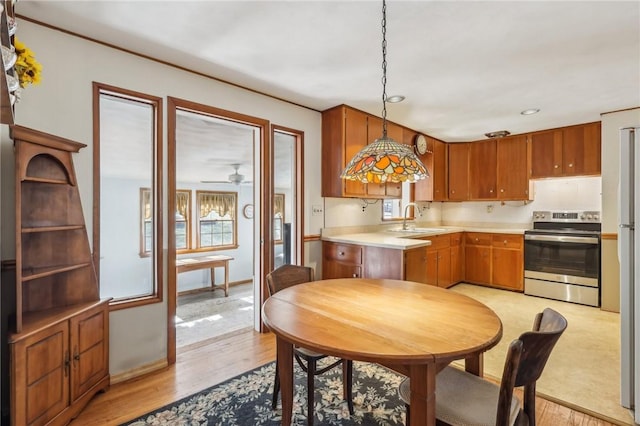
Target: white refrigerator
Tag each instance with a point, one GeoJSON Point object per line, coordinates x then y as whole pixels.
{"type": "Point", "coordinates": [629, 255]}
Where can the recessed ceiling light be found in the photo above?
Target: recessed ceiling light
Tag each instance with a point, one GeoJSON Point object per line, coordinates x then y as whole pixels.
{"type": "Point", "coordinates": [395, 99]}
{"type": "Point", "coordinates": [530, 111]}
{"type": "Point", "coordinates": [498, 134]}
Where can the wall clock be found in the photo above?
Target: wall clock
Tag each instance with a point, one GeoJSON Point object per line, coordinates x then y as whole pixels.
{"type": "Point", "coordinates": [247, 211]}
{"type": "Point", "coordinates": [421, 144]}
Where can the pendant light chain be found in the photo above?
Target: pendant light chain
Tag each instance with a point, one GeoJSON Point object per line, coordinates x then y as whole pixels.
{"type": "Point", "coordinates": [384, 69]}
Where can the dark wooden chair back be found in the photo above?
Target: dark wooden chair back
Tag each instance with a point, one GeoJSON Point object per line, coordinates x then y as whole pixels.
{"type": "Point", "coordinates": [526, 359]}
{"type": "Point", "coordinates": [288, 275]}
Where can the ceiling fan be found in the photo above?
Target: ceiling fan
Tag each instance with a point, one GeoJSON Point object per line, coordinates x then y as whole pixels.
{"type": "Point", "coordinates": [235, 177]}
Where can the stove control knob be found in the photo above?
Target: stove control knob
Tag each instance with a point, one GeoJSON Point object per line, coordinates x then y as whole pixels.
{"type": "Point", "coordinates": [589, 217]}
{"type": "Point", "coordinates": [595, 217]}
{"type": "Point", "coordinates": [582, 216]}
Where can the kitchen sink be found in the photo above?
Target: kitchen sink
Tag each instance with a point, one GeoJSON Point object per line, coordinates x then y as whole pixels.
{"type": "Point", "coordinates": [417, 230]}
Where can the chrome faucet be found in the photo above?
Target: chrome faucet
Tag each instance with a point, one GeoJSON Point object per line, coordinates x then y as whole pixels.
{"type": "Point", "coordinates": [404, 219]}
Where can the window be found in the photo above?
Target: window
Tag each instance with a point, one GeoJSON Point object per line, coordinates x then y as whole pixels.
{"type": "Point", "coordinates": [183, 222]}
{"type": "Point", "coordinates": [278, 217]}
{"type": "Point", "coordinates": [217, 212]}
{"type": "Point", "coordinates": [146, 222]}
{"type": "Point", "coordinates": [127, 213]}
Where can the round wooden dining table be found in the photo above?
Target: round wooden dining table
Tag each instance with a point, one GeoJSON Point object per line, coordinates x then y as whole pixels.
{"type": "Point", "coordinates": [412, 328]}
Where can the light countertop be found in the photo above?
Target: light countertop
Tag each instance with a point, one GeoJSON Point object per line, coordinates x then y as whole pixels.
{"type": "Point", "coordinates": [408, 240]}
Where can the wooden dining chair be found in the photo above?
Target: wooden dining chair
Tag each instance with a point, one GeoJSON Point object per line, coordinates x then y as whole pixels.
{"type": "Point", "coordinates": [287, 276]}
{"type": "Point", "coordinates": [465, 399]}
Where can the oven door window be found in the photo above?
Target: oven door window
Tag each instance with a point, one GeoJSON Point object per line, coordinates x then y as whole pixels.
{"type": "Point", "coordinates": [562, 258]}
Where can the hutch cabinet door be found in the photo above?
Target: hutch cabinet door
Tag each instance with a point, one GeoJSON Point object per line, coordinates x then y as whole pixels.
{"type": "Point", "coordinates": [90, 349]}
{"type": "Point", "coordinates": [40, 376]}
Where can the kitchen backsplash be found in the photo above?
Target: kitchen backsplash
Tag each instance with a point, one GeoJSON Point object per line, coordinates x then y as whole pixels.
{"type": "Point", "coordinates": [583, 193]}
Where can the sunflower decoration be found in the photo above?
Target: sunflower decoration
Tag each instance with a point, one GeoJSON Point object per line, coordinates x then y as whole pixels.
{"type": "Point", "coordinates": [27, 68]}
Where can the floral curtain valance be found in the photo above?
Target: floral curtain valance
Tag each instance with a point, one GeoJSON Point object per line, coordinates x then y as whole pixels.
{"type": "Point", "coordinates": [182, 203]}
{"type": "Point", "coordinates": [146, 203]}
{"type": "Point", "coordinates": [278, 205]}
{"type": "Point", "coordinates": [222, 204]}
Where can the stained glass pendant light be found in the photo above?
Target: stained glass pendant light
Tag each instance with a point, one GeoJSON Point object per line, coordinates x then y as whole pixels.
{"type": "Point", "coordinates": [385, 160]}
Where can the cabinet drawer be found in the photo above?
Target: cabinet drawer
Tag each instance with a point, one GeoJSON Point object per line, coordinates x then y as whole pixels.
{"type": "Point", "coordinates": [478, 238]}
{"type": "Point", "coordinates": [512, 241]}
{"type": "Point", "coordinates": [438, 242]}
{"type": "Point", "coordinates": [455, 239]}
{"type": "Point", "coordinates": [343, 253]}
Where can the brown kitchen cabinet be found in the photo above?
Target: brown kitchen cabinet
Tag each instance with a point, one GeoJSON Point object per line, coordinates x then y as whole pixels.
{"type": "Point", "coordinates": [477, 257]}
{"type": "Point", "coordinates": [433, 188]}
{"type": "Point", "coordinates": [437, 264]}
{"type": "Point", "coordinates": [507, 270]}
{"type": "Point", "coordinates": [458, 171]}
{"type": "Point", "coordinates": [512, 168]}
{"type": "Point", "coordinates": [495, 260]}
{"type": "Point", "coordinates": [345, 131]}
{"type": "Point", "coordinates": [457, 258]}
{"type": "Point", "coordinates": [340, 260]}
{"type": "Point", "coordinates": [483, 178]}
{"type": "Point", "coordinates": [415, 265]}
{"type": "Point", "coordinates": [60, 341]}
{"type": "Point", "coordinates": [567, 151]}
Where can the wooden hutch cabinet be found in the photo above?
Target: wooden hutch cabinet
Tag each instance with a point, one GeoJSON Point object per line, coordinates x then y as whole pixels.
{"type": "Point", "coordinates": [59, 347]}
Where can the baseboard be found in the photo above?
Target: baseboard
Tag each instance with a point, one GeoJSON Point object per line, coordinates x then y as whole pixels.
{"type": "Point", "coordinates": [203, 289]}
{"type": "Point", "coordinates": [140, 371]}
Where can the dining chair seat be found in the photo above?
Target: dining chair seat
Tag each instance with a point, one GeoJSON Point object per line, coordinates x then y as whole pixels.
{"type": "Point", "coordinates": [465, 399]}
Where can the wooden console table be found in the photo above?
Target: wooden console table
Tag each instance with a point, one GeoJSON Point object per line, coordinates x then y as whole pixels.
{"type": "Point", "coordinates": [207, 262]}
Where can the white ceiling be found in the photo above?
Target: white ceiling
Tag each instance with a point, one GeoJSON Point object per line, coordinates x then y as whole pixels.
{"type": "Point", "coordinates": [466, 68]}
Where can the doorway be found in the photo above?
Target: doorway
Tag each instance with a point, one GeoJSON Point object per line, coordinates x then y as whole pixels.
{"type": "Point", "coordinates": [216, 180]}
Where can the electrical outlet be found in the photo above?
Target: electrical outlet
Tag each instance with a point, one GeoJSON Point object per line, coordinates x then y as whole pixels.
{"type": "Point", "coordinates": [316, 210]}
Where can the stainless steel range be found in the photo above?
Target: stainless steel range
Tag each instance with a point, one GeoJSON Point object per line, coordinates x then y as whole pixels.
{"type": "Point", "coordinates": [562, 256]}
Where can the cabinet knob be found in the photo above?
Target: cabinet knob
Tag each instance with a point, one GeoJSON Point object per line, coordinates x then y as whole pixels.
{"type": "Point", "coordinates": [505, 242]}
{"type": "Point", "coordinates": [570, 164]}
{"type": "Point", "coordinates": [502, 190]}
{"type": "Point", "coordinates": [341, 253]}
{"type": "Point", "coordinates": [491, 191]}
{"type": "Point", "coordinates": [355, 275]}
{"type": "Point", "coordinates": [555, 166]}
{"type": "Point", "coordinates": [453, 191]}
{"type": "Point", "coordinates": [476, 239]}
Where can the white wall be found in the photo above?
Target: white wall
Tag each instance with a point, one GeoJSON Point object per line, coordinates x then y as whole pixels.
{"type": "Point", "coordinates": [62, 105]}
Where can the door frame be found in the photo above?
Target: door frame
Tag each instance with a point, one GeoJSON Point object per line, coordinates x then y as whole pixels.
{"type": "Point", "coordinates": [263, 159]}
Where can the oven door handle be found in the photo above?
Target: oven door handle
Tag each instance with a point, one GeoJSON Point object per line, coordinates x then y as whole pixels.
{"type": "Point", "coordinates": [562, 239]}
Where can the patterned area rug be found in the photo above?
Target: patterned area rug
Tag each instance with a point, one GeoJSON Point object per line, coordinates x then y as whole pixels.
{"type": "Point", "coordinates": [246, 400]}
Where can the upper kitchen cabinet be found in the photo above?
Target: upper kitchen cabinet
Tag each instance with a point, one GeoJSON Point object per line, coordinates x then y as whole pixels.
{"type": "Point", "coordinates": [345, 131]}
{"type": "Point", "coordinates": [581, 154]}
{"type": "Point", "coordinates": [458, 171]}
{"type": "Point", "coordinates": [568, 151]}
{"type": "Point", "coordinates": [483, 178]}
{"type": "Point", "coordinates": [512, 166]}
{"type": "Point", "coordinates": [434, 188]}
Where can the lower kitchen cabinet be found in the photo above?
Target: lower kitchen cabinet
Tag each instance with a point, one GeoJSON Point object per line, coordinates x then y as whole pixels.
{"type": "Point", "coordinates": [355, 261]}
{"type": "Point", "coordinates": [507, 261]}
{"type": "Point", "coordinates": [494, 259]}
{"type": "Point", "coordinates": [415, 265]}
{"type": "Point", "coordinates": [57, 366]}
{"type": "Point", "coordinates": [457, 258]}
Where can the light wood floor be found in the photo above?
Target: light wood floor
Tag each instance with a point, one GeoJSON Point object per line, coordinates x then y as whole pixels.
{"type": "Point", "coordinates": [204, 365]}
